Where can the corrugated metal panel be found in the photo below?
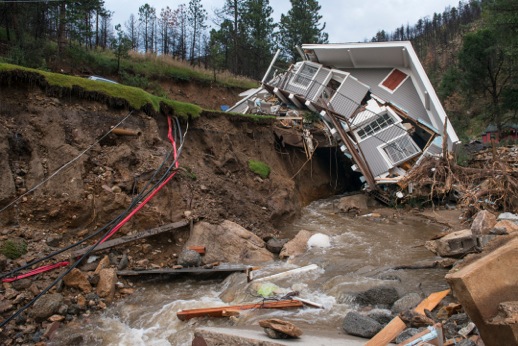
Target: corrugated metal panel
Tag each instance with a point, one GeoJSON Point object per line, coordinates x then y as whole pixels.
{"type": "Point", "coordinates": [348, 96]}
{"type": "Point", "coordinates": [373, 156]}
{"type": "Point", "coordinates": [406, 95]}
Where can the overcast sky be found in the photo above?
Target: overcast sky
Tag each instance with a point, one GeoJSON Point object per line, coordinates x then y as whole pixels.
{"type": "Point", "coordinates": [346, 20]}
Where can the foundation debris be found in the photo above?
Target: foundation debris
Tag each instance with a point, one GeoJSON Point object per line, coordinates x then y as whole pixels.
{"type": "Point", "coordinates": [487, 289]}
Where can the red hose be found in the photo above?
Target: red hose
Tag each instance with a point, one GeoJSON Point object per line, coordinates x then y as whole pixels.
{"type": "Point", "coordinates": [45, 268]}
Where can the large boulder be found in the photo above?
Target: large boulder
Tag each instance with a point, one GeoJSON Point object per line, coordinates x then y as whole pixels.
{"type": "Point", "coordinates": [504, 227]}
{"type": "Point", "coordinates": [229, 242]}
{"type": "Point", "coordinates": [382, 296]}
{"type": "Point", "coordinates": [46, 306]}
{"type": "Point", "coordinates": [407, 302]}
{"type": "Point", "coordinates": [106, 286]}
{"type": "Point", "coordinates": [357, 324]}
{"type": "Point", "coordinates": [77, 279]}
{"type": "Point", "coordinates": [296, 246]}
{"type": "Point", "coordinates": [453, 244]}
{"type": "Point", "coordinates": [355, 203]}
{"type": "Point", "coordinates": [275, 245]}
{"type": "Point", "coordinates": [483, 223]}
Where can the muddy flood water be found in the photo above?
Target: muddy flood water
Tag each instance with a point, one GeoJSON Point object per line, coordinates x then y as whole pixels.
{"type": "Point", "coordinates": [362, 254]}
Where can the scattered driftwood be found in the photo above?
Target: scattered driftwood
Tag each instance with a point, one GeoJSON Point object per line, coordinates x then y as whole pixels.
{"type": "Point", "coordinates": [491, 181]}
{"type": "Point", "coordinates": [396, 326]}
{"type": "Point", "coordinates": [130, 238]}
{"type": "Point", "coordinates": [208, 269]}
{"type": "Point", "coordinates": [288, 273]}
{"type": "Point", "coordinates": [233, 310]}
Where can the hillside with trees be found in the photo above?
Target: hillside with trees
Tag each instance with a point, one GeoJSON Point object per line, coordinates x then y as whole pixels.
{"type": "Point", "coordinates": [469, 51]}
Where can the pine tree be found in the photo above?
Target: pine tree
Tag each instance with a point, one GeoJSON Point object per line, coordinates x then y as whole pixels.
{"type": "Point", "coordinates": [196, 16]}
{"type": "Point", "coordinates": [258, 21]}
{"type": "Point", "coordinates": [147, 17]}
{"type": "Point", "coordinates": [301, 25]}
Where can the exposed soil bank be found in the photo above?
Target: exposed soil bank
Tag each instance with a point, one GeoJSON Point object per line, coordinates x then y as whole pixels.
{"type": "Point", "coordinates": [40, 134]}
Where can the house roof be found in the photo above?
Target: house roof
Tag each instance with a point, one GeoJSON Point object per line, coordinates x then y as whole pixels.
{"type": "Point", "coordinates": [363, 55]}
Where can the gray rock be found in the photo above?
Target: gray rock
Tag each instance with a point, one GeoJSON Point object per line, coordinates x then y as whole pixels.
{"type": "Point", "coordinates": [407, 333]}
{"type": "Point", "coordinates": [382, 316]}
{"type": "Point", "coordinates": [22, 284]}
{"type": "Point", "coordinates": [466, 342]}
{"type": "Point", "coordinates": [406, 302]}
{"type": "Point", "coordinates": [123, 262]}
{"type": "Point", "coordinates": [53, 241]}
{"type": "Point", "coordinates": [274, 334]}
{"type": "Point", "coordinates": [275, 245]}
{"type": "Point", "coordinates": [484, 222]}
{"type": "Point", "coordinates": [357, 324]}
{"type": "Point", "coordinates": [508, 216]}
{"type": "Point", "coordinates": [46, 306]}
{"type": "Point", "coordinates": [189, 258]}
{"type": "Point", "coordinates": [382, 296]}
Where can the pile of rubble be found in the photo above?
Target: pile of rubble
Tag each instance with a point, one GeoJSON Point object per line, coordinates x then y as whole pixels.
{"type": "Point", "coordinates": [490, 182]}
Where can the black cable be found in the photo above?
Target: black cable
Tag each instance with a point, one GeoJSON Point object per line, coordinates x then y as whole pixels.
{"type": "Point", "coordinates": [73, 266]}
{"type": "Point", "coordinates": [135, 201]}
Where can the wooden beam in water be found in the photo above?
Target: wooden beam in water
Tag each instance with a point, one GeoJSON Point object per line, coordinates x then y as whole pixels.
{"type": "Point", "coordinates": [130, 238]}
{"type": "Point", "coordinates": [223, 311]}
{"type": "Point", "coordinates": [396, 326]}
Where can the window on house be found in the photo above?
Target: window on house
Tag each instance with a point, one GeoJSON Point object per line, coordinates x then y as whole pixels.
{"type": "Point", "coordinates": [394, 80]}
{"type": "Point", "coordinates": [381, 122]}
{"type": "Point", "coordinates": [401, 149]}
{"type": "Point", "coordinates": [305, 75]}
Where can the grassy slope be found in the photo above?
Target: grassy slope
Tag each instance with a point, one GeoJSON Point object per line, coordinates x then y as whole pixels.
{"type": "Point", "coordinates": [134, 97]}
{"type": "Point", "coordinates": [115, 94]}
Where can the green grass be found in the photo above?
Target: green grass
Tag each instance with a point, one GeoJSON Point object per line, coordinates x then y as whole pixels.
{"type": "Point", "coordinates": [136, 97]}
{"type": "Point", "coordinates": [260, 168]}
{"type": "Point", "coordinates": [13, 249]}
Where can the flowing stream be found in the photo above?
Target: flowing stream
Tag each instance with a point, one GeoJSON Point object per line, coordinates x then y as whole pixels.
{"type": "Point", "coordinates": [362, 254]}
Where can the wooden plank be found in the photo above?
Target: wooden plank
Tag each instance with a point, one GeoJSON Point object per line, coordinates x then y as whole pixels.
{"type": "Point", "coordinates": [396, 326]}
{"type": "Point", "coordinates": [222, 311]}
{"type": "Point", "coordinates": [227, 268]}
{"type": "Point", "coordinates": [289, 273]}
{"type": "Point", "coordinates": [130, 238]}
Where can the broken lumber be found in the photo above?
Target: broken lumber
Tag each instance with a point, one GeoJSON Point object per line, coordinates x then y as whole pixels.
{"type": "Point", "coordinates": [289, 273]}
{"type": "Point", "coordinates": [223, 311]}
{"type": "Point", "coordinates": [198, 248]}
{"type": "Point", "coordinates": [433, 335]}
{"type": "Point", "coordinates": [396, 326]}
{"type": "Point", "coordinates": [130, 238]}
{"type": "Point", "coordinates": [223, 268]}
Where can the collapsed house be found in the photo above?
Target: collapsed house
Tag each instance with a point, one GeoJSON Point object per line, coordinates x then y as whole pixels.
{"type": "Point", "coordinates": [375, 100]}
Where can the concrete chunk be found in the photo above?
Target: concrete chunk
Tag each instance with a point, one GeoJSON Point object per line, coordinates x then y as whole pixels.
{"type": "Point", "coordinates": [485, 283]}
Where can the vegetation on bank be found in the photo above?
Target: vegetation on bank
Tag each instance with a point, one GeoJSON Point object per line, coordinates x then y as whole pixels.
{"type": "Point", "coordinates": [117, 94]}
{"type": "Point", "coordinates": [260, 168]}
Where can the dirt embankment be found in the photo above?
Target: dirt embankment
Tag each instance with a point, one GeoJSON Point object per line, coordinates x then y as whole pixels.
{"type": "Point", "coordinates": [39, 134]}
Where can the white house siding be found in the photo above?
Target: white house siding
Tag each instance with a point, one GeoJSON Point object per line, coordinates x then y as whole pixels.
{"type": "Point", "coordinates": [348, 96]}
{"type": "Point", "coordinates": [316, 86]}
{"type": "Point", "coordinates": [406, 95]}
{"type": "Point", "coordinates": [376, 161]}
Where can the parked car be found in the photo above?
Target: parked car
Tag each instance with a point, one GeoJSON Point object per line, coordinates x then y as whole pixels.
{"type": "Point", "coordinates": [101, 79]}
